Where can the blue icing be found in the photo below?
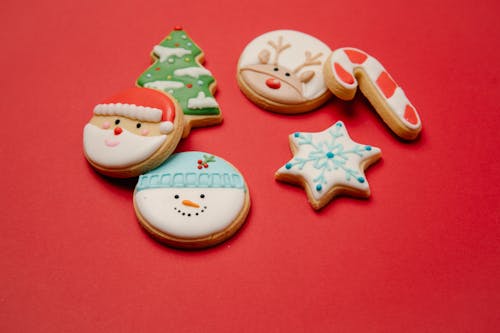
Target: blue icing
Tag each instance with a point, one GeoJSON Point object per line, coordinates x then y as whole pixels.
{"type": "Point", "coordinates": [182, 170]}
{"type": "Point", "coordinates": [328, 155]}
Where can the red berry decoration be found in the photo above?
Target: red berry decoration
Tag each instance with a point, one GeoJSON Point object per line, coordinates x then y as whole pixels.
{"type": "Point", "coordinates": [204, 162]}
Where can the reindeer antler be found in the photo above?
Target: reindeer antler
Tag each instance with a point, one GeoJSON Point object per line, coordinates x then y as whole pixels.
{"type": "Point", "coordinates": [278, 47]}
{"type": "Point", "coordinates": [310, 61]}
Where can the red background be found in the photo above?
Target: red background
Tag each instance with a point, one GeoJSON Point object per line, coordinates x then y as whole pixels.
{"type": "Point", "coordinates": [421, 255]}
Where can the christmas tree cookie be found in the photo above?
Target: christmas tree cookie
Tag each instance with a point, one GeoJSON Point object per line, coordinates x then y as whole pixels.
{"type": "Point", "coordinates": [327, 164]}
{"type": "Point", "coordinates": [177, 70]}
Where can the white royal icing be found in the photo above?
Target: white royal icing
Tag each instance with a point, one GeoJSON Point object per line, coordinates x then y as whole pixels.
{"type": "Point", "coordinates": [216, 211]}
{"type": "Point", "coordinates": [194, 72]}
{"type": "Point", "coordinates": [164, 85]}
{"type": "Point", "coordinates": [201, 101]}
{"type": "Point", "coordinates": [291, 57]}
{"type": "Point", "coordinates": [164, 52]}
{"type": "Point", "coordinates": [132, 111]}
{"type": "Point", "coordinates": [108, 150]}
{"type": "Point", "coordinates": [327, 159]}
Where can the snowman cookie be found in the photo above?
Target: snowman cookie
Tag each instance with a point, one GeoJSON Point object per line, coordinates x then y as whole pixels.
{"type": "Point", "coordinates": [132, 132]}
{"type": "Point", "coordinates": [282, 71]}
{"type": "Point", "coordinates": [193, 200]}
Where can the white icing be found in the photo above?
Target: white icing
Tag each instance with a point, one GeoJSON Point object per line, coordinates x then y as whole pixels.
{"type": "Point", "coordinates": [166, 127]}
{"type": "Point", "coordinates": [132, 111]}
{"type": "Point", "coordinates": [373, 68]}
{"type": "Point", "coordinates": [164, 52]}
{"type": "Point", "coordinates": [318, 163]}
{"type": "Point", "coordinates": [193, 72]}
{"type": "Point", "coordinates": [164, 85]}
{"type": "Point", "coordinates": [201, 101]}
{"type": "Point", "coordinates": [162, 210]}
{"type": "Point", "coordinates": [398, 101]}
{"type": "Point", "coordinates": [291, 57]}
{"type": "Point", "coordinates": [108, 150]}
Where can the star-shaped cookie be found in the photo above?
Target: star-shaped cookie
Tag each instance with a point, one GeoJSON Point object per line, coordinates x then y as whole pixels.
{"type": "Point", "coordinates": [327, 164]}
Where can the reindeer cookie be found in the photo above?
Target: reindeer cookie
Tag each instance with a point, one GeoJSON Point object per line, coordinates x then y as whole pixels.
{"type": "Point", "coordinates": [282, 71]}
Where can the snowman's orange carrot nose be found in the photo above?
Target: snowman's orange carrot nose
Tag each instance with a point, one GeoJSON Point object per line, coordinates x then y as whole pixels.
{"type": "Point", "coordinates": [190, 203]}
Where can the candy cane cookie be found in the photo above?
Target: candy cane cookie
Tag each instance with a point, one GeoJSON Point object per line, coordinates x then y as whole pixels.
{"type": "Point", "coordinates": [347, 67]}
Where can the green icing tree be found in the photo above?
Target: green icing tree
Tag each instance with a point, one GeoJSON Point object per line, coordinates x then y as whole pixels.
{"type": "Point", "coordinates": [177, 71]}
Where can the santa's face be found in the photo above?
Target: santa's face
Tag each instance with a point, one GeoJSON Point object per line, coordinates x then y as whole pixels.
{"type": "Point", "coordinates": [190, 212]}
{"type": "Point", "coordinates": [116, 142]}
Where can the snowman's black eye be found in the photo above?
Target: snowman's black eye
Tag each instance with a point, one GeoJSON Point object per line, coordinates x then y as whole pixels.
{"type": "Point", "coordinates": [117, 121]}
{"type": "Point", "coordinates": [138, 125]}
{"type": "Point", "coordinates": [202, 196]}
{"type": "Point", "coordinates": [276, 69]}
{"type": "Point", "coordinates": [176, 196]}
{"type": "Point", "coordinates": [287, 74]}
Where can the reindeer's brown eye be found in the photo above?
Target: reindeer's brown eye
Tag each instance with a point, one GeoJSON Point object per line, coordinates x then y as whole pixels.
{"type": "Point", "coordinates": [276, 69]}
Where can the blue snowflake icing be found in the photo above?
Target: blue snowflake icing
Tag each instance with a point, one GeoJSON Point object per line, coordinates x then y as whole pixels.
{"type": "Point", "coordinates": [328, 155]}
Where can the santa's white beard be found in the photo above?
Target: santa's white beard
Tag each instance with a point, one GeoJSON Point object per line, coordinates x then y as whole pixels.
{"type": "Point", "coordinates": [106, 149]}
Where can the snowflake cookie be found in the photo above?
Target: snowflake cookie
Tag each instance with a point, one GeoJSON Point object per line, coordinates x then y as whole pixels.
{"type": "Point", "coordinates": [327, 164]}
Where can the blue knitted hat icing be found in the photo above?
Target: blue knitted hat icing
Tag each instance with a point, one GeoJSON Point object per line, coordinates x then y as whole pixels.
{"type": "Point", "coordinates": [192, 170]}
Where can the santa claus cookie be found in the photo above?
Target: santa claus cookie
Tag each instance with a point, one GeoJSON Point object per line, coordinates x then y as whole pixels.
{"type": "Point", "coordinates": [347, 67]}
{"type": "Point", "coordinates": [193, 200]}
{"type": "Point", "coordinates": [327, 164]}
{"type": "Point", "coordinates": [177, 69]}
{"type": "Point", "coordinates": [282, 71]}
{"type": "Point", "coordinates": [132, 132]}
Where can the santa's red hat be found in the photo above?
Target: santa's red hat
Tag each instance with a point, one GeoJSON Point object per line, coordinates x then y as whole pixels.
{"type": "Point", "coordinates": [142, 104]}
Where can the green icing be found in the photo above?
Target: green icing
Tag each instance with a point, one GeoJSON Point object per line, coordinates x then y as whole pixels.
{"type": "Point", "coordinates": [161, 73]}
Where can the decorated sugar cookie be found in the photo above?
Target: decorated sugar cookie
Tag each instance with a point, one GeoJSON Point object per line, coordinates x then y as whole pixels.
{"type": "Point", "coordinates": [347, 66]}
{"type": "Point", "coordinates": [177, 70]}
{"type": "Point", "coordinates": [328, 164]}
{"type": "Point", "coordinates": [282, 71]}
{"type": "Point", "coordinates": [132, 132]}
{"type": "Point", "coordinates": [193, 200]}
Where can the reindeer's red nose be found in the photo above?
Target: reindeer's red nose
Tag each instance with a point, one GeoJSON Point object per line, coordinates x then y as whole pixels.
{"type": "Point", "coordinates": [118, 130]}
{"type": "Point", "coordinates": [273, 83]}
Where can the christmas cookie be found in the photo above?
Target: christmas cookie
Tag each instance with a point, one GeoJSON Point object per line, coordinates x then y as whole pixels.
{"type": "Point", "coordinates": [327, 164]}
{"type": "Point", "coordinates": [132, 132]}
{"type": "Point", "coordinates": [193, 200]}
{"type": "Point", "coordinates": [282, 71]}
{"type": "Point", "coordinates": [177, 69]}
{"type": "Point", "coordinates": [346, 67]}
